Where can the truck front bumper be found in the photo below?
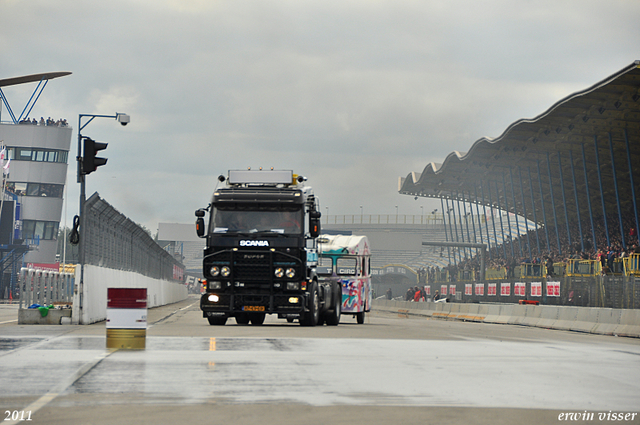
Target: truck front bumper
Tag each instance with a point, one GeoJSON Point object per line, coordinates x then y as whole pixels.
{"type": "Point", "coordinates": [230, 304]}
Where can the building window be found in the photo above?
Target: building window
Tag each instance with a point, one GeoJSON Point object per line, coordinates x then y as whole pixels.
{"type": "Point", "coordinates": [44, 230]}
{"type": "Point", "coordinates": [35, 189]}
{"type": "Point", "coordinates": [37, 155]}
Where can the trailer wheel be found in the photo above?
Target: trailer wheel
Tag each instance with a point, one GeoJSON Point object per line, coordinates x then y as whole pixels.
{"type": "Point", "coordinates": [310, 318]}
{"type": "Point", "coordinates": [333, 316]}
{"type": "Point", "coordinates": [360, 317]}
{"type": "Point", "coordinates": [257, 318]}
{"type": "Point", "coordinates": [217, 320]}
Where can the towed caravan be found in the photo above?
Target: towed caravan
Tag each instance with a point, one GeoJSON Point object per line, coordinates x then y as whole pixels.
{"type": "Point", "coordinates": [348, 260]}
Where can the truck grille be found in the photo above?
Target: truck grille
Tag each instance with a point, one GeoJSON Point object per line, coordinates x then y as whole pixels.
{"type": "Point", "coordinates": [252, 270]}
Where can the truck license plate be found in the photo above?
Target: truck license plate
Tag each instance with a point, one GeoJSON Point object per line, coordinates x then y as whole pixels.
{"type": "Point", "coordinates": [253, 308]}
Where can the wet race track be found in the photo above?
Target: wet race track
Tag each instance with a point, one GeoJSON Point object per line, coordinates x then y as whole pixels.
{"type": "Point", "coordinates": [389, 370]}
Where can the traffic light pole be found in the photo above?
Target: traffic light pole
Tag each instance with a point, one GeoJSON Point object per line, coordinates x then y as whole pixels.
{"type": "Point", "coordinates": [81, 176]}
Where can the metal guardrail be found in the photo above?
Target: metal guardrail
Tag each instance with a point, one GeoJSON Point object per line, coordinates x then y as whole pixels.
{"type": "Point", "coordinates": [628, 266]}
{"type": "Point", "coordinates": [382, 219]}
{"type": "Point", "coordinates": [496, 274]}
{"type": "Point", "coordinates": [466, 276]}
{"type": "Point", "coordinates": [583, 268]}
{"type": "Point", "coordinates": [577, 283]}
{"type": "Point", "coordinates": [532, 270]}
{"type": "Point", "coordinates": [597, 291]}
{"type": "Point", "coordinates": [45, 287]}
{"type": "Point", "coordinates": [632, 265]}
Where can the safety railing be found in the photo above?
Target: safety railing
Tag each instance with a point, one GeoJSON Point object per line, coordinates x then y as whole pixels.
{"type": "Point", "coordinates": [442, 276]}
{"type": "Point", "coordinates": [45, 287]}
{"type": "Point", "coordinates": [531, 270]}
{"type": "Point", "coordinates": [613, 268]}
{"type": "Point", "coordinates": [559, 269]}
{"type": "Point", "coordinates": [577, 267]}
{"type": "Point", "coordinates": [496, 273]}
{"type": "Point", "coordinates": [382, 219]}
{"type": "Point", "coordinates": [599, 290]}
{"type": "Point", "coordinates": [466, 276]}
{"type": "Point", "coordinates": [632, 265]}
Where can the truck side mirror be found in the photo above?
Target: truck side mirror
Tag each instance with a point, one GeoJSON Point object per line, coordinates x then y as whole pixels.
{"type": "Point", "coordinates": [314, 227]}
{"type": "Point", "coordinates": [314, 223]}
{"type": "Point", "coordinates": [200, 223]}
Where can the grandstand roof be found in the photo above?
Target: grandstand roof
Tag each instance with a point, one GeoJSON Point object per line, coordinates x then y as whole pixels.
{"type": "Point", "coordinates": [31, 78]}
{"type": "Point", "coordinates": [537, 159]}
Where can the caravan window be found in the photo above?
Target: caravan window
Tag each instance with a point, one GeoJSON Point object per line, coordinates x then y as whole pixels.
{"type": "Point", "coordinates": [325, 266]}
{"type": "Point", "coordinates": [347, 266]}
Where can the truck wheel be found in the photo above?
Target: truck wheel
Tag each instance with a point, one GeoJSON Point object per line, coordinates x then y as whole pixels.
{"type": "Point", "coordinates": [242, 319]}
{"type": "Point", "coordinates": [360, 317]}
{"type": "Point", "coordinates": [257, 318]}
{"type": "Point", "coordinates": [310, 318]}
{"type": "Point", "coordinates": [333, 316]}
{"type": "Point", "coordinates": [217, 320]}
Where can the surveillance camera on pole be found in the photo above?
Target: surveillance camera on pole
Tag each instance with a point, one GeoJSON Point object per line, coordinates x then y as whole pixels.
{"type": "Point", "coordinates": [123, 118]}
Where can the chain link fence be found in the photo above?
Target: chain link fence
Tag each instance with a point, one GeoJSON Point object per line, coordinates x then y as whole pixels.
{"type": "Point", "coordinates": [113, 241]}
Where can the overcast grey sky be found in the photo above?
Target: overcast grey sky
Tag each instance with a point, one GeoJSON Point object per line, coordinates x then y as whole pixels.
{"type": "Point", "coordinates": [352, 94]}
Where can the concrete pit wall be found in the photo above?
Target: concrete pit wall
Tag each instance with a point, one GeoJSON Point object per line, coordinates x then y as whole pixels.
{"type": "Point", "coordinates": [90, 306]}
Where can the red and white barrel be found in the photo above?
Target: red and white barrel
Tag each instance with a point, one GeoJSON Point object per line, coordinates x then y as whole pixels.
{"type": "Point", "coordinates": [126, 318]}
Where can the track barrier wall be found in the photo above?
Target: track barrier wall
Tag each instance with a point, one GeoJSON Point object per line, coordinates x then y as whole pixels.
{"type": "Point", "coordinates": [90, 305]}
{"type": "Point", "coordinates": [603, 321]}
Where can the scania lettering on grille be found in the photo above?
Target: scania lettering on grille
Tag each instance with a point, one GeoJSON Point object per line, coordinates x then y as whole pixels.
{"type": "Point", "coordinates": [254, 243]}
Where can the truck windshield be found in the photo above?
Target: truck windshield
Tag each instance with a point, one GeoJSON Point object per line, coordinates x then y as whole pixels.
{"type": "Point", "coordinates": [240, 218]}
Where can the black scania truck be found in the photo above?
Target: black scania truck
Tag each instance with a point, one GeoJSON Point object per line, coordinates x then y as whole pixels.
{"type": "Point", "coordinates": [261, 251]}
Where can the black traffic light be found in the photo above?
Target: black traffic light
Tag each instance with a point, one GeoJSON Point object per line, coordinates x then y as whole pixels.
{"type": "Point", "coordinates": [90, 162]}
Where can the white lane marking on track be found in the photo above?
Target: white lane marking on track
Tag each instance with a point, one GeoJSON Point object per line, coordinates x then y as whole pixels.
{"type": "Point", "coordinates": [166, 317]}
{"type": "Point", "coordinates": [62, 386]}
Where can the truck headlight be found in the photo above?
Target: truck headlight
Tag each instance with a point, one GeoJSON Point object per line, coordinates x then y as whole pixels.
{"type": "Point", "coordinates": [215, 285]}
{"type": "Point", "coordinates": [279, 272]}
{"type": "Point", "coordinates": [291, 273]}
{"type": "Point", "coordinates": [213, 298]}
{"type": "Point", "coordinates": [225, 271]}
{"type": "Point", "coordinates": [293, 300]}
{"type": "Point", "coordinates": [293, 286]}
{"type": "Point", "coordinates": [215, 271]}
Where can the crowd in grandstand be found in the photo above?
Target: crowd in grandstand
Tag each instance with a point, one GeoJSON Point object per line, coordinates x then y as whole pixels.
{"type": "Point", "coordinates": [48, 122]}
{"type": "Point", "coordinates": [524, 250]}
